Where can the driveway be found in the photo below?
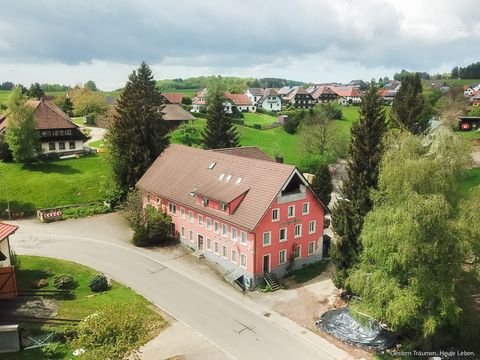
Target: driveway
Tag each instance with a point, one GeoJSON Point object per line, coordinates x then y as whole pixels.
{"type": "Point", "coordinates": [239, 327]}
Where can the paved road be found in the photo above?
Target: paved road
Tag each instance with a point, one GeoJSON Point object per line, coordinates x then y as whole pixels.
{"type": "Point", "coordinates": [231, 321]}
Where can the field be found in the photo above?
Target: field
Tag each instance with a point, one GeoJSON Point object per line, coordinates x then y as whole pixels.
{"type": "Point", "coordinates": [84, 302]}
{"type": "Point", "coordinates": [50, 184]}
{"type": "Point", "coordinates": [278, 142]}
{"type": "Point", "coordinates": [190, 93]}
{"type": "Point", "coordinates": [257, 118]}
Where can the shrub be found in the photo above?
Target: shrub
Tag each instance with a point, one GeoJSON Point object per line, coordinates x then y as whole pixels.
{"type": "Point", "coordinates": [257, 126]}
{"type": "Point", "coordinates": [51, 350]}
{"type": "Point", "coordinates": [114, 332]}
{"type": "Point", "coordinates": [291, 124]}
{"type": "Point", "coordinates": [98, 283]}
{"type": "Point", "coordinates": [63, 281]}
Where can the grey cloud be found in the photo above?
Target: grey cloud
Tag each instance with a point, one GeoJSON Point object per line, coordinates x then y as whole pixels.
{"type": "Point", "coordinates": [222, 33]}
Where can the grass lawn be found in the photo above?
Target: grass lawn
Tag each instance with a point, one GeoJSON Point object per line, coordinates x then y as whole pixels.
{"type": "Point", "coordinates": [278, 142]}
{"type": "Point", "coordinates": [470, 180]}
{"type": "Point", "coordinates": [257, 118]}
{"type": "Point", "coordinates": [50, 183]}
{"type": "Point", "coordinates": [97, 144]}
{"type": "Point", "coordinates": [80, 121]}
{"type": "Point", "coordinates": [85, 302]}
{"type": "Point", "coordinates": [190, 93]}
{"type": "Point", "coordinates": [469, 135]}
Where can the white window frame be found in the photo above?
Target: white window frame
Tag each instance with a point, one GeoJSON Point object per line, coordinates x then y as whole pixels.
{"type": "Point", "coordinates": [299, 233]}
{"type": "Point", "coordinates": [234, 257]}
{"type": "Point", "coordinates": [208, 223]}
{"type": "Point", "coordinates": [191, 218]}
{"type": "Point", "coordinates": [292, 212]}
{"type": "Point", "coordinates": [280, 262]}
{"type": "Point", "coordinates": [182, 213]}
{"type": "Point", "coordinates": [182, 232]}
{"type": "Point", "coordinates": [224, 230]}
{"type": "Point", "coordinates": [234, 233]}
{"type": "Point", "coordinates": [225, 252]}
{"type": "Point", "coordinates": [277, 211]}
{"type": "Point", "coordinates": [299, 250]}
{"type": "Point", "coordinates": [216, 227]}
{"type": "Point", "coordinates": [269, 233]}
{"type": "Point", "coordinates": [223, 207]}
{"type": "Point", "coordinates": [172, 208]}
{"type": "Point", "coordinates": [190, 235]}
{"type": "Point", "coordinates": [308, 208]}
{"type": "Point", "coordinates": [243, 238]}
{"type": "Point", "coordinates": [313, 250]}
{"type": "Point", "coordinates": [243, 260]}
{"type": "Point", "coordinates": [215, 248]}
{"type": "Point", "coordinates": [312, 226]}
{"type": "Point", "coordinates": [200, 219]}
{"type": "Point", "coordinates": [280, 235]}
{"type": "Point", "coordinates": [209, 244]}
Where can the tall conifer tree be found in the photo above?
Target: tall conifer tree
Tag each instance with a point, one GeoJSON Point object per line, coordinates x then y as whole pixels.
{"type": "Point", "coordinates": [138, 133]}
{"type": "Point", "coordinates": [219, 131]}
{"type": "Point", "coordinates": [365, 152]}
{"type": "Point", "coordinates": [409, 111]}
{"type": "Point", "coordinates": [322, 184]}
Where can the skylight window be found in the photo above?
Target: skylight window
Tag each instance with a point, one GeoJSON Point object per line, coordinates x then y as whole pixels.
{"type": "Point", "coordinates": [221, 176]}
{"type": "Point", "coordinates": [239, 180]}
{"type": "Point", "coordinates": [228, 178]}
{"type": "Point", "coordinates": [212, 165]}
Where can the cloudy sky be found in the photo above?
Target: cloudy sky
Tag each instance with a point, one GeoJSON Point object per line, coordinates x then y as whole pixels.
{"type": "Point", "coordinates": [70, 42]}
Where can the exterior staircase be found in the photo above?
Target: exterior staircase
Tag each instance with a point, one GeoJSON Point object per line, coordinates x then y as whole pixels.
{"type": "Point", "coordinates": [272, 280]}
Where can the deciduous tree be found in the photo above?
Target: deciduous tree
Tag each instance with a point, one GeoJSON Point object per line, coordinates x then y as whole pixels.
{"type": "Point", "coordinates": [411, 264]}
{"type": "Point", "coordinates": [138, 133]}
{"type": "Point", "coordinates": [21, 136]}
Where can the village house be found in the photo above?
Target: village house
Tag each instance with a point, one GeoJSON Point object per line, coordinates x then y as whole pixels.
{"type": "Point", "coordinates": [469, 90]}
{"type": "Point", "coordinates": [238, 208]}
{"type": "Point", "coordinates": [8, 285]}
{"type": "Point", "coordinates": [347, 95]}
{"type": "Point", "coordinates": [175, 115]}
{"type": "Point", "coordinates": [232, 103]}
{"type": "Point", "coordinates": [58, 134]}
{"type": "Point", "coordinates": [254, 94]}
{"type": "Point", "coordinates": [173, 98]}
{"type": "Point", "coordinates": [296, 96]}
{"type": "Point", "coordinates": [267, 99]}
{"type": "Point", "coordinates": [322, 93]}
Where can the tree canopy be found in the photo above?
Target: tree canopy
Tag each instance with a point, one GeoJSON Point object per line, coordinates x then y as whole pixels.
{"type": "Point", "coordinates": [138, 134]}
{"type": "Point", "coordinates": [412, 263]}
{"type": "Point", "coordinates": [409, 111]}
{"type": "Point", "coordinates": [219, 130]}
{"type": "Point", "coordinates": [365, 152]}
{"type": "Point", "coordinates": [21, 134]}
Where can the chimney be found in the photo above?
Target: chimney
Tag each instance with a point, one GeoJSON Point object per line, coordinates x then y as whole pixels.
{"type": "Point", "coordinates": [279, 159]}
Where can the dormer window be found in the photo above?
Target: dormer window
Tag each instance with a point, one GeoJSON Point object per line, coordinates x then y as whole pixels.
{"type": "Point", "coordinates": [223, 206]}
{"type": "Point", "coordinates": [204, 201]}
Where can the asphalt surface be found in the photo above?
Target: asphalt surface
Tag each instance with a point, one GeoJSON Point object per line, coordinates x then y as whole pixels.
{"type": "Point", "coordinates": [231, 321]}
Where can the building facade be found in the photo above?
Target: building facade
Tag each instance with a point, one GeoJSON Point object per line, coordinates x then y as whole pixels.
{"type": "Point", "coordinates": [250, 216]}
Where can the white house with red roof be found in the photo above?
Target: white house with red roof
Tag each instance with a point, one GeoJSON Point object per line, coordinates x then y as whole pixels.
{"type": "Point", "coordinates": [347, 94]}
{"type": "Point", "coordinates": [233, 102]}
{"type": "Point", "coordinates": [238, 208]}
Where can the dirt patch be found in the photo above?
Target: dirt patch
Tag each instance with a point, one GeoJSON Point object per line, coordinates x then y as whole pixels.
{"type": "Point", "coordinates": [31, 307]}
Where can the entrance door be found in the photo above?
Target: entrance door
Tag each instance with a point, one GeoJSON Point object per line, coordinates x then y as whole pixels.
{"type": "Point", "coordinates": [200, 242]}
{"type": "Point", "coordinates": [266, 263]}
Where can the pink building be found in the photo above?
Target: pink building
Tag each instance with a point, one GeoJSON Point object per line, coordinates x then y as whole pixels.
{"type": "Point", "coordinates": [239, 208]}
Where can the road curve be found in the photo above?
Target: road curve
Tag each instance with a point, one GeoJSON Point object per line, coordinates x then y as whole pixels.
{"type": "Point", "coordinates": [231, 321]}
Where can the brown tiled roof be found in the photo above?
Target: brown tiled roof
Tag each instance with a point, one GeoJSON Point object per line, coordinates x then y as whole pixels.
{"type": "Point", "coordinates": [238, 99]}
{"type": "Point", "coordinates": [221, 190]}
{"type": "Point", "coordinates": [179, 170]}
{"type": "Point", "coordinates": [173, 98]}
{"type": "Point", "coordinates": [246, 151]}
{"type": "Point", "coordinates": [172, 112]}
{"type": "Point", "coordinates": [345, 91]}
{"type": "Point", "coordinates": [6, 230]}
{"type": "Point", "coordinates": [319, 91]}
{"type": "Point", "coordinates": [47, 116]}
